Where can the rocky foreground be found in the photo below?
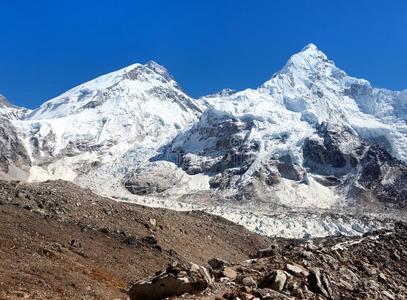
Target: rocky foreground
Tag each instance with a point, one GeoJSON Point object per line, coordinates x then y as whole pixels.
{"type": "Point", "coordinates": [371, 267]}
{"type": "Point", "coordinates": [58, 241]}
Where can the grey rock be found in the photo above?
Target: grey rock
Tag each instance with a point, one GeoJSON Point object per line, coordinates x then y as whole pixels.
{"type": "Point", "coordinates": [297, 270]}
{"type": "Point", "coordinates": [269, 294]}
{"type": "Point", "coordinates": [249, 282]}
{"type": "Point", "coordinates": [174, 281]}
{"type": "Point", "coordinates": [275, 280]}
{"type": "Point", "coordinates": [320, 284]}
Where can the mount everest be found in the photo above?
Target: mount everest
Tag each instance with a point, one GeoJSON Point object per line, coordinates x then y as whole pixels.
{"type": "Point", "coordinates": [312, 151]}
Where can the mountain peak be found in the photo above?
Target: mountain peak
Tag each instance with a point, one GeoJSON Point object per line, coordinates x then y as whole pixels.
{"type": "Point", "coordinates": [310, 47]}
{"type": "Point", "coordinates": [159, 69]}
{"type": "Point", "coordinates": [4, 102]}
{"type": "Point", "coordinates": [10, 111]}
{"type": "Point", "coordinates": [309, 59]}
{"type": "Point", "coordinates": [154, 65]}
{"type": "Point", "coordinates": [309, 54]}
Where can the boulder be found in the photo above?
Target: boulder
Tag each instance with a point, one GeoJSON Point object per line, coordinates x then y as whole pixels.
{"type": "Point", "coordinates": [217, 264]}
{"type": "Point", "coordinates": [321, 284]}
{"type": "Point", "coordinates": [297, 270]}
{"type": "Point", "coordinates": [249, 282]}
{"type": "Point", "coordinates": [269, 294]}
{"type": "Point", "coordinates": [174, 281]}
{"type": "Point", "coordinates": [270, 251]}
{"type": "Point", "coordinates": [229, 273]}
{"type": "Point", "coordinates": [275, 280]}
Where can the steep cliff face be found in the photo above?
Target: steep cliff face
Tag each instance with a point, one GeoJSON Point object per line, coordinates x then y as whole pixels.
{"type": "Point", "coordinates": [342, 159]}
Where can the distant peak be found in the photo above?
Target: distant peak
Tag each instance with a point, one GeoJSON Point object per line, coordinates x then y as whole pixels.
{"type": "Point", "coordinates": [310, 47]}
{"type": "Point", "coordinates": [223, 93]}
{"type": "Point", "coordinates": [311, 50]}
{"type": "Point", "coordinates": [153, 64]}
{"type": "Point", "coordinates": [159, 69]}
{"type": "Point", "coordinates": [309, 60]}
{"type": "Point", "coordinates": [308, 56]}
{"type": "Point", "coordinates": [155, 67]}
{"type": "Point", "coordinates": [4, 102]}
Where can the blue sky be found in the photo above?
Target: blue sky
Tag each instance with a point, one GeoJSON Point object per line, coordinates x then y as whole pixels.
{"type": "Point", "coordinates": [48, 47]}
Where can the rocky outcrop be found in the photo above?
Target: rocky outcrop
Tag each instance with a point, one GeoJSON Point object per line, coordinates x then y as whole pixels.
{"type": "Point", "coordinates": [384, 175]}
{"type": "Point", "coordinates": [333, 152]}
{"type": "Point", "coordinates": [217, 143]}
{"type": "Point", "coordinates": [343, 159]}
{"type": "Point", "coordinates": [13, 156]}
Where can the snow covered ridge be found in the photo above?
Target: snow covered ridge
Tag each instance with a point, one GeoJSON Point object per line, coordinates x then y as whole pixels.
{"type": "Point", "coordinates": [311, 137]}
{"type": "Point", "coordinates": [11, 112]}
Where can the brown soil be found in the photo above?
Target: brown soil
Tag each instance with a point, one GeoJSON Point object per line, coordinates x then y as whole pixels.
{"type": "Point", "coordinates": [58, 241]}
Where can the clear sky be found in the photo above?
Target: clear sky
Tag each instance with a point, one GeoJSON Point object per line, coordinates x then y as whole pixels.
{"type": "Point", "coordinates": [48, 47]}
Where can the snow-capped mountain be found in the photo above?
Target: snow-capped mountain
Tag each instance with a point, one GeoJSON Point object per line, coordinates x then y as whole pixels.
{"type": "Point", "coordinates": [311, 137]}
{"type": "Point", "coordinates": [303, 138]}
{"type": "Point", "coordinates": [138, 107]}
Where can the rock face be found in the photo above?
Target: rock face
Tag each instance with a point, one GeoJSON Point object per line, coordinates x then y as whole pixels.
{"type": "Point", "coordinates": [333, 152]}
{"type": "Point", "coordinates": [344, 159]}
{"type": "Point", "coordinates": [14, 159]}
{"type": "Point", "coordinates": [223, 145]}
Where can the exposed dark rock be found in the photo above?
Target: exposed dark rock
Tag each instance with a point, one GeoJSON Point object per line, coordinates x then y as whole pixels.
{"type": "Point", "coordinates": [320, 283]}
{"type": "Point", "coordinates": [384, 175]}
{"type": "Point", "coordinates": [333, 152]}
{"type": "Point", "coordinates": [217, 264]}
{"type": "Point", "coordinates": [12, 151]}
{"type": "Point", "coordinates": [342, 157]}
